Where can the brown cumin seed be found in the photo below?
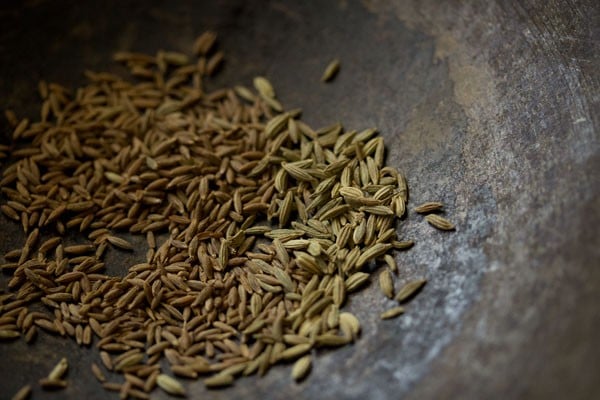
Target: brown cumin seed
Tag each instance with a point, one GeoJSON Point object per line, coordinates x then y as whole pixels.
{"type": "Point", "coordinates": [50, 384]}
{"type": "Point", "coordinates": [112, 386]}
{"type": "Point", "coordinates": [427, 207]}
{"type": "Point", "coordinates": [119, 242]}
{"type": "Point", "coordinates": [204, 43]}
{"type": "Point", "coordinates": [79, 249]}
{"type": "Point", "coordinates": [8, 334]}
{"type": "Point", "coordinates": [106, 360]}
{"type": "Point", "coordinates": [439, 222]}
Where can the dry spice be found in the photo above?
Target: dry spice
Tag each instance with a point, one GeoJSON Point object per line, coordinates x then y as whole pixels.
{"type": "Point", "coordinates": [257, 226]}
{"type": "Point", "coordinates": [428, 207]}
{"type": "Point", "coordinates": [439, 222]}
{"type": "Point", "coordinates": [98, 373]}
{"type": "Point", "coordinates": [59, 370]}
{"type": "Point", "coordinates": [386, 283]}
{"type": "Point", "coordinates": [301, 368]}
{"type": "Point", "coordinates": [219, 380]}
{"type": "Point", "coordinates": [23, 393]}
{"type": "Point", "coordinates": [392, 312]}
{"type": "Point", "coordinates": [410, 289]}
{"type": "Point", "coordinates": [52, 384]}
{"type": "Point", "coordinates": [170, 385]}
{"type": "Point", "coordinates": [331, 70]}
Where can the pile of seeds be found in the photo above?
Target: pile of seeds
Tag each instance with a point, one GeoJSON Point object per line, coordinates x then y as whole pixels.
{"type": "Point", "coordinates": [257, 226]}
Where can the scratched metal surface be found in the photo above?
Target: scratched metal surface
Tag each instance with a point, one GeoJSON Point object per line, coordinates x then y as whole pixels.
{"type": "Point", "coordinates": [491, 107]}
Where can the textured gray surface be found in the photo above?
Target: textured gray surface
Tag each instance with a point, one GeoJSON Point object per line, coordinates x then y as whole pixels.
{"type": "Point", "coordinates": [492, 108]}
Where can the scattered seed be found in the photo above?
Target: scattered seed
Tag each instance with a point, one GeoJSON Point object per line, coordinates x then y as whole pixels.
{"type": "Point", "coordinates": [301, 368]}
{"type": "Point", "coordinates": [392, 312]}
{"type": "Point", "coordinates": [112, 386]}
{"type": "Point", "coordinates": [264, 87]}
{"type": "Point", "coordinates": [195, 171]}
{"type": "Point", "coordinates": [391, 262]}
{"type": "Point", "coordinates": [350, 325]}
{"type": "Point", "coordinates": [59, 370]}
{"type": "Point", "coordinates": [410, 289]}
{"type": "Point", "coordinates": [51, 384]}
{"type": "Point", "coordinates": [98, 373]}
{"type": "Point", "coordinates": [23, 393]}
{"type": "Point", "coordinates": [386, 283]}
{"type": "Point", "coordinates": [170, 385]}
{"type": "Point", "coordinates": [430, 206]}
{"type": "Point", "coordinates": [8, 334]}
{"type": "Point", "coordinates": [439, 222]}
{"type": "Point", "coordinates": [331, 70]}
{"type": "Point", "coordinates": [295, 351]}
{"type": "Point", "coordinates": [119, 242]}
{"type": "Point", "coordinates": [204, 43]}
{"type": "Point", "coordinates": [219, 380]}
{"type": "Point", "coordinates": [403, 245]}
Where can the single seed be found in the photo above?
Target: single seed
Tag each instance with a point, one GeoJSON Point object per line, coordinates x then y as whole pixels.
{"type": "Point", "coordinates": [119, 242]}
{"type": "Point", "coordinates": [129, 361]}
{"type": "Point", "coordinates": [50, 384]}
{"type": "Point", "coordinates": [98, 373]}
{"type": "Point", "coordinates": [350, 325]}
{"type": "Point", "coordinates": [392, 312]}
{"type": "Point", "coordinates": [23, 393]}
{"type": "Point", "coordinates": [386, 283]}
{"type": "Point", "coordinates": [391, 262]}
{"type": "Point", "coordinates": [439, 222]}
{"type": "Point", "coordinates": [403, 245]}
{"type": "Point", "coordinates": [331, 70]}
{"type": "Point", "coordinates": [204, 43]}
{"type": "Point", "coordinates": [8, 334]}
{"type": "Point", "coordinates": [301, 368]}
{"type": "Point", "coordinates": [264, 87]}
{"type": "Point", "coordinates": [59, 370]}
{"type": "Point", "coordinates": [374, 251]}
{"type": "Point", "coordinates": [219, 380]}
{"type": "Point", "coordinates": [356, 280]}
{"type": "Point", "coordinates": [295, 351]}
{"type": "Point", "coordinates": [410, 289]}
{"type": "Point", "coordinates": [428, 207]}
{"type": "Point", "coordinates": [170, 385]}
